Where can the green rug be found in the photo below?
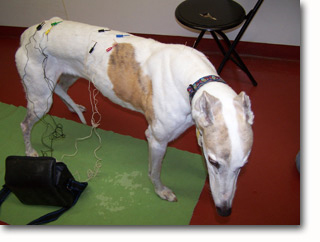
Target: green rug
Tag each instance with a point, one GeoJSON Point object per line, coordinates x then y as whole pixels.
{"type": "Point", "coordinates": [121, 193]}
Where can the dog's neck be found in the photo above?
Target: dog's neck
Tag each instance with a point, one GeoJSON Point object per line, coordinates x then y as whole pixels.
{"type": "Point", "coordinates": [219, 90]}
{"type": "Point", "coordinates": [193, 88]}
{"type": "Point", "coordinates": [213, 85]}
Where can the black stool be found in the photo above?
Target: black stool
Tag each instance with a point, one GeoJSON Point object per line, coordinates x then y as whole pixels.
{"type": "Point", "coordinates": [215, 16]}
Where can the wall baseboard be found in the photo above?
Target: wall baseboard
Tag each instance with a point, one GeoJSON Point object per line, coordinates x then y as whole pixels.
{"type": "Point", "coordinates": [206, 45]}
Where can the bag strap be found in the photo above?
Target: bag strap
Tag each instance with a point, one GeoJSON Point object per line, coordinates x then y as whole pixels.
{"type": "Point", "coordinates": [4, 193]}
{"type": "Point", "coordinates": [75, 187]}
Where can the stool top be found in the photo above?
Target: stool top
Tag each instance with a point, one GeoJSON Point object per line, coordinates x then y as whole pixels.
{"type": "Point", "coordinates": [210, 15]}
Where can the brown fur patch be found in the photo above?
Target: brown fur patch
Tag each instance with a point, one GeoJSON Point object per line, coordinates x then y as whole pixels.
{"type": "Point", "coordinates": [128, 82]}
{"type": "Point", "coordinates": [216, 136]}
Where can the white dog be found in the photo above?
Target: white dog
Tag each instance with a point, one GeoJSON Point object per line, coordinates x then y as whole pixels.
{"type": "Point", "coordinates": [146, 76]}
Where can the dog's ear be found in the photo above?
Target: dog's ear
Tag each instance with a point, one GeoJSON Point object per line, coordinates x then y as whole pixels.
{"type": "Point", "coordinates": [206, 106]}
{"type": "Point", "coordinates": [245, 102]}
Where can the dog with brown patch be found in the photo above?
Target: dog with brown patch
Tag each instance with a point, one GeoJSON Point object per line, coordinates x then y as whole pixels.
{"type": "Point", "coordinates": [174, 86]}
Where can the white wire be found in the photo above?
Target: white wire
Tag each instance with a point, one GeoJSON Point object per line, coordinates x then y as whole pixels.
{"type": "Point", "coordinates": [94, 123]}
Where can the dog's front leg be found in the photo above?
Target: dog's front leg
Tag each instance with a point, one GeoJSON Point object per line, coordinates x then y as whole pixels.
{"type": "Point", "coordinates": [157, 151]}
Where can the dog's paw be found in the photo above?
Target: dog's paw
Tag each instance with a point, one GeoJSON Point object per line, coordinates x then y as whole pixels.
{"type": "Point", "coordinates": [166, 194]}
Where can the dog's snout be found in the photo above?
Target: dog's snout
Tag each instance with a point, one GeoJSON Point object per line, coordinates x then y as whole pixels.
{"type": "Point", "coordinates": [224, 211]}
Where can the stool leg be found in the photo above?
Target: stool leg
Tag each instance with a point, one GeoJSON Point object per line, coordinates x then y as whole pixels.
{"type": "Point", "coordinates": [223, 51]}
{"type": "Point", "coordinates": [239, 62]}
{"type": "Point", "coordinates": [198, 39]}
{"type": "Point", "coordinates": [235, 42]}
{"type": "Point", "coordinates": [215, 37]}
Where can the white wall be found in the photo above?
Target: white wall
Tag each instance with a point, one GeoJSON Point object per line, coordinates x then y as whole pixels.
{"type": "Point", "coordinates": [277, 22]}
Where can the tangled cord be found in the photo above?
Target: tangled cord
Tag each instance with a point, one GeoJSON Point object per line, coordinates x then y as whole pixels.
{"type": "Point", "coordinates": [91, 173]}
{"type": "Point", "coordinates": [57, 129]}
{"type": "Point", "coordinates": [95, 123]}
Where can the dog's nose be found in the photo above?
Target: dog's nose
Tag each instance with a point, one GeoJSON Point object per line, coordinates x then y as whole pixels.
{"type": "Point", "coordinates": [224, 211]}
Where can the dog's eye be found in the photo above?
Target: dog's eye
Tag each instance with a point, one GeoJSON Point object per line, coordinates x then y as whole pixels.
{"type": "Point", "coordinates": [214, 163]}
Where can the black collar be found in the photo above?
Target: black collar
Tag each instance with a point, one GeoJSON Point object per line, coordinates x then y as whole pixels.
{"type": "Point", "coordinates": [193, 88]}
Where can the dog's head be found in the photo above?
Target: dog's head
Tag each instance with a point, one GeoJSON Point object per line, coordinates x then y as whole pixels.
{"type": "Point", "coordinates": [224, 132]}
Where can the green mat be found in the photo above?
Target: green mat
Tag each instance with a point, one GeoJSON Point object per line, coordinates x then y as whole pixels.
{"type": "Point", "coordinates": [121, 193]}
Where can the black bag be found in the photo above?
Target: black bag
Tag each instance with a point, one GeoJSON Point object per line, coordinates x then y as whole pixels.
{"type": "Point", "coordinates": [41, 181]}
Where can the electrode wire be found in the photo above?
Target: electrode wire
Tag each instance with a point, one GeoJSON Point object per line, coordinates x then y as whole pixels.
{"type": "Point", "coordinates": [57, 129]}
